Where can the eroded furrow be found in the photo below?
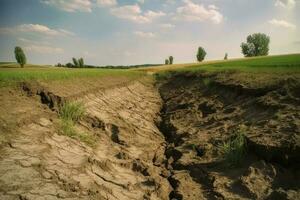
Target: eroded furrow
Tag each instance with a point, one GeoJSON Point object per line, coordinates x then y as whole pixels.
{"type": "Point", "coordinates": [126, 163]}
{"type": "Point", "coordinates": [203, 111]}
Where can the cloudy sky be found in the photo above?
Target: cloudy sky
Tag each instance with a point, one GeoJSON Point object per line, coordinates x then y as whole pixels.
{"type": "Point", "coordinates": [142, 31]}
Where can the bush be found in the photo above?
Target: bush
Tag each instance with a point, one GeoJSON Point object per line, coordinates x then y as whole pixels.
{"type": "Point", "coordinates": [70, 65]}
{"type": "Point", "coordinates": [72, 111]}
{"type": "Point", "coordinates": [166, 62]}
{"type": "Point", "coordinates": [235, 149]}
{"type": "Point", "coordinates": [201, 54]}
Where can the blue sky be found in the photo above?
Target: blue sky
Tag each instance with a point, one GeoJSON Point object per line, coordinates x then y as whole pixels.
{"type": "Point", "coordinates": [115, 32]}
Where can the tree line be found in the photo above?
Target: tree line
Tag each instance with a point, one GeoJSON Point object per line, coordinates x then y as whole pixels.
{"type": "Point", "coordinates": [256, 44]}
{"type": "Point", "coordinates": [77, 63]}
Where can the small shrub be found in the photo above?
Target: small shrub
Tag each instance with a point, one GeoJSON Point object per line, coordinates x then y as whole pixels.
{"type": "Point", "coordinates": [166, 62]}
{"type": "Point", "coordinates": [235, 149]}
{"type": "Point", "coordinates": [207, 82]}
{"type": "Point", "coordinates": [72, 111]}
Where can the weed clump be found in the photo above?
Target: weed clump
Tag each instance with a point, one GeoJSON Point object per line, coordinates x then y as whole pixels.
{"type": "Point", "coordinates": [70, 113]}
{"type": "Point", "coordinates": [207, 82]}
{"type": "Point", "coordinates": [235, 150]}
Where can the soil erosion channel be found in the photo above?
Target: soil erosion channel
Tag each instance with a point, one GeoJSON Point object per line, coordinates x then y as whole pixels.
{"type": "Point", "coordinates": [156, 141]}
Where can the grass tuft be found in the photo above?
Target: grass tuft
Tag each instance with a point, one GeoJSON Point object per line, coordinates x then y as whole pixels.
{"type": "Point", "coordinates": [72, 111]}
{"type": "Point", "coordinates": [207, 82]}
{"type": "Point", "coordinates": [68, 129]}
{"type": "Point", "coordinates": [235, 149]}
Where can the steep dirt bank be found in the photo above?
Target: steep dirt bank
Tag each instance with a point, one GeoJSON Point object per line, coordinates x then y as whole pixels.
{"type": "Point", "coordinates": [202, 111]}
{"type": "Point", "coordinates": [126, 163]}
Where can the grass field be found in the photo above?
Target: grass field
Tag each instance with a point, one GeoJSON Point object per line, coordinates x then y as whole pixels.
{"type": "Point", "coordinates": [11, 75]}
{"type": "Point", "coordinates": [280, 63]}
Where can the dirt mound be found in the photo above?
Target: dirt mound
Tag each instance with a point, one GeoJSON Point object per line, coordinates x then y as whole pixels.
{"type": "Point", "coordinates": [201, 112]}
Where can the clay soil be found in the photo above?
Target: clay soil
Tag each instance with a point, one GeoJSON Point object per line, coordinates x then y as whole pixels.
{"type": "Point", "coordinates": [154, 139]}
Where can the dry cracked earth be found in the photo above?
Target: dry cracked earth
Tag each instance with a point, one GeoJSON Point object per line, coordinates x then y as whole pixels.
{"type": "Point", "coordinates": [154, 140]}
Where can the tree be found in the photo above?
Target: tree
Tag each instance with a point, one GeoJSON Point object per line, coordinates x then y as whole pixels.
{"type": "Point", "coordinates": [257, 45]}
{"type": "Point", "coordinates": [226, 56]}
{"type": "Point", "coordinates": [81, 62]}
{"type": "Point", "coordinates": [166, 61]}
{"type": "Point", "coordinates": [20, 56]}
{"type": "Point", "coordinates": [69, 65]}
{"type": "Point", "coordinates": [201, 54]}
{"type": "Point", "coordinates": [171, 60]}
{"type": "Point", "coordinates": [75, 61]}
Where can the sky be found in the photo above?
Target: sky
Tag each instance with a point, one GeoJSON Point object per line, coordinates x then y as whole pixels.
{"type": "Point", "coordinates": [127, 32]}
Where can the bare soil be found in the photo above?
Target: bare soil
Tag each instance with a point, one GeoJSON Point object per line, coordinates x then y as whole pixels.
{"type": "Point", "coordinates": [154, 140]}
{"type": "Point", "coordinates": [202, 111]}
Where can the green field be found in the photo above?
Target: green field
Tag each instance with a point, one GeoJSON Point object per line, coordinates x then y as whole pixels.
{"type": "Point", "coordinates": [282, 63]}
{"type": "Point", "coordinates": [10, 72]}
{"type": "Point", "coordinates": [9, 76]}
{"type": "Point", "coordinates": [279, 63]}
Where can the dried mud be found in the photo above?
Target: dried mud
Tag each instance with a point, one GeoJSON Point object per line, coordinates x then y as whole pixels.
{"type": "Point", "coordinates": [153, 141]}
{"type": "Point", "coordinates": [203, 111]}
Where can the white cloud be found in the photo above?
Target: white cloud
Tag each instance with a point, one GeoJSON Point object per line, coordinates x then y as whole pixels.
{"type": "Point", "coordinates": [135, 14]}
{"type": "Point", "coordinates": [144, 34]}
{"type": "Point", "coordinates": [43, 49]}
{"type": "Point", "coordinates": [107, 3]}
{"type": "Point", "coordinates": [89, 54]}
{"type": "Point", "coordinates": [36, 42]}
{"type": "Point", "coordinates": [197, 12]}
{"type": "Point", "coordinates": [213, 7]}
{"type": "Point", "coordinates": [282, 23]}
{"type": "Point", "coordinates": [141, 1]}
{"type": "Point", "coordinates": [285, 3]}
{"type": "Point", "coordinates": [167, 26]}
{"type": "Point", "coordinates": [71, 5]}
{"type": "Point", "coordinates": [129, 53]}
{"type": "Point", "coordinates": [36, 28]}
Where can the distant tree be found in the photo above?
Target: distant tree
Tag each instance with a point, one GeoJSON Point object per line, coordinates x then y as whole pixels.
{"type": "Point", "coordinates": [226, 56]}
{"type": "Point", "coordinates": [69, 65]}
{"type": "Point", "coordinates": [20, 56]}
{"type": "Point", "coordinates": [257, 45]}
{"type": "Point", "coordinates": [201, 54]}
{"type": "Point", "coordinates": [171, 60]}
{"type": "Point", "coordinates": [81, 62]}
{"type": "Point", "coordinates": [166, 61]}
{"type": "Point", "coordinates": [75, 61]}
